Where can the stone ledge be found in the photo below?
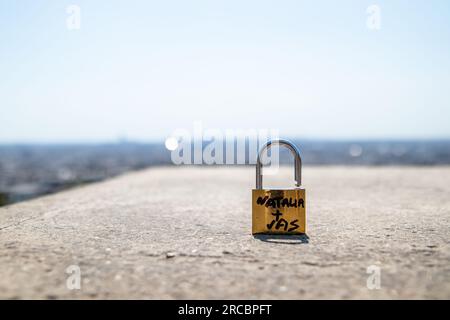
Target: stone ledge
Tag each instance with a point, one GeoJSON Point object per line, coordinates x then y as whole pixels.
{"type": "Point", "coordinates": [185, 233]}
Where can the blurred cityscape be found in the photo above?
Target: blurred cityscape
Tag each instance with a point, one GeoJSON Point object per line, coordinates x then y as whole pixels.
{"type": "Point", "coordinates": [27, 171]}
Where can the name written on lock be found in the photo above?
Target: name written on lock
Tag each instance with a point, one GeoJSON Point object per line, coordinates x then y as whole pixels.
{"type": "Point", "coordinates": [280, 202]}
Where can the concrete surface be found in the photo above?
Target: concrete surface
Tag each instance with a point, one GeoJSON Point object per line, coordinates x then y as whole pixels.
{"type": "Point", "coordinates": [185, 233]}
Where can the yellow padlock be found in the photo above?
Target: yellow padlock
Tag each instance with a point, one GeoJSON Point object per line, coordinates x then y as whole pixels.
{"type": "Point", "coordinates": [279, 211]}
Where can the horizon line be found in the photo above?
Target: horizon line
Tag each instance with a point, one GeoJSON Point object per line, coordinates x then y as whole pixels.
{"type": "Point", "coordinates": [162, 141]}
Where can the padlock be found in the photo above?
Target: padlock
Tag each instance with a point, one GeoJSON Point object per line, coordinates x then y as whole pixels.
{"type": "Point", "coordinates": [279, 211]}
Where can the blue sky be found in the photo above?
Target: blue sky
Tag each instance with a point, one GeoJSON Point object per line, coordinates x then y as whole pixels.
{"type": "Point", "coordinates": [141, 69]}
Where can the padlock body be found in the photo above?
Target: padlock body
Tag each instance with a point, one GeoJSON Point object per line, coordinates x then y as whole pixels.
{"type": "Point", "coordinates": [278, 211]}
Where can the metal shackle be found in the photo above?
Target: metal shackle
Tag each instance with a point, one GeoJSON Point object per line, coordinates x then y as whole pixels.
{"type": "Point", "coordinates": [294, 151]}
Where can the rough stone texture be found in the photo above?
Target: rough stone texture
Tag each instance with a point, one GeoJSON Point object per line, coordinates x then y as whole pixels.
{"type": "Point", "coordinates": [185, 233]}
